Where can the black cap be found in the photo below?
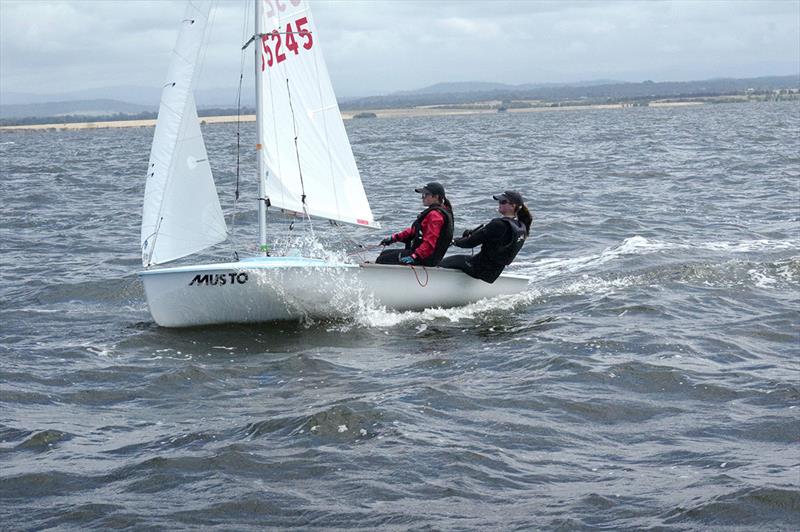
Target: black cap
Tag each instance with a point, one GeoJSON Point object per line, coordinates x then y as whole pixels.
{"type": "Point", "coordinates": [510, 196]}
{"type": "Point", "coordinates": [431, 188]}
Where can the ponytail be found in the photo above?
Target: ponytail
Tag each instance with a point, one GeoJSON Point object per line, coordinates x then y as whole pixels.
{"type": "Point", "coordinates": [446, 204]}
{"type": "Point", "coordinates": [524, 216]}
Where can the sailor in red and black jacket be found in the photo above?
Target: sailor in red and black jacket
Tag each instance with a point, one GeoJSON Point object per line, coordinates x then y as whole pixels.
{"type": "Point", "coordinates": [428, 237]}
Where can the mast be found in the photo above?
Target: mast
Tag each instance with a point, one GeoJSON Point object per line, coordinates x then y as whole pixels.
{"type": "Point", "coordinates": [262, 177]}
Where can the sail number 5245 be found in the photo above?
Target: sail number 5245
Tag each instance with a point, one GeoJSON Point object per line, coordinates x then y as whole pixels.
{"type": "Point", "coordinates": [272, 43]}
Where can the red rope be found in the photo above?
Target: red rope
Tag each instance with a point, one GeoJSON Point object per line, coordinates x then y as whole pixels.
{"type": "Point", "coordinates": [427, 276]}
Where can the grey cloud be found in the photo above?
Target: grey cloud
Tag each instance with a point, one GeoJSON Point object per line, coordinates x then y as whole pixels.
{"type": "Point", "coordinates": [382, 46]}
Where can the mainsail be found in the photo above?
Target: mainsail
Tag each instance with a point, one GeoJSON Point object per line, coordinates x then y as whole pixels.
{"type": "Point", "coordinates": [182, 213]}
{"type": "Point", "coordinates": [305, 151]}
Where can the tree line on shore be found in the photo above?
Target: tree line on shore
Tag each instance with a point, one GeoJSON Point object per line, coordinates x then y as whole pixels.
{"type": "Point", "coordinates": [113, 117]}
{"type": "Point", "coordinates": [633, 94]}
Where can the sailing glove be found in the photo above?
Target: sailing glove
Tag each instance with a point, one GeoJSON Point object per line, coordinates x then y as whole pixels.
{"type": "Point", "coordinates": [388, 241]}
{"type": "Point", "coordinates": [469, 232]}
{"type": "Point", "coordinates": [408, 259]}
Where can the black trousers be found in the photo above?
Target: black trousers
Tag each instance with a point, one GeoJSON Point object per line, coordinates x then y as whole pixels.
{"type": "Point", "coordinates": [391, 256]}
{"type": "Point", "coordinates": [473, 266]}
{"type": "Point", "coordinates": [459, 262]}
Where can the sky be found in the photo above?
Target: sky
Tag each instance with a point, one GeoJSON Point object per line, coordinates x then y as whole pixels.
{"type": "Point", "coordinates": [381, 46]}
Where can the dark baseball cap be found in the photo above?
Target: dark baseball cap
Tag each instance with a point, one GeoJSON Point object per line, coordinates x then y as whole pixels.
{"type": "Point", "coordinates": [510, 196]}
{"type": "Point", "coordinates": [431, 188]}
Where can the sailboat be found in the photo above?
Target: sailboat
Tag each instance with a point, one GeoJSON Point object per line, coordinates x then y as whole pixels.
{"type": "Point", "coordinates": [305, 165]}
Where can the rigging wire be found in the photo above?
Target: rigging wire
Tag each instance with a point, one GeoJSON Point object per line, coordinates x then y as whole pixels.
{"type": "Point", "coordinates": [361, 251]}
{"type": "Point", "coordinates": [299, 167]}
{"type": "Point", "coordinates": [238, 155]}
{"type": "Point", "coordinates": [239, 132]}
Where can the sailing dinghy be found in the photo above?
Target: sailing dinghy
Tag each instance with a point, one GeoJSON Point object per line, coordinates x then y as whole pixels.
{"type": "Point", "coordinates": [305, 165]}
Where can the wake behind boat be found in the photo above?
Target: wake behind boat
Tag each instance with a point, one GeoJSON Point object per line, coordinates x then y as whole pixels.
{"type": "Point", "coordinates": [305, 165]}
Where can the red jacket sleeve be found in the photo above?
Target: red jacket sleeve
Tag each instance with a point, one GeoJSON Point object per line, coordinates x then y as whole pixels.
{"type": "Point", "coordinates": [406, 235]}
{"type": "Point", "coordinates": [431, 229]}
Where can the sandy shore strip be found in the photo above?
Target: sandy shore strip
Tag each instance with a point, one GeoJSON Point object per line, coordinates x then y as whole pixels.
{"type": "Point", "coordinates": [346, 115]}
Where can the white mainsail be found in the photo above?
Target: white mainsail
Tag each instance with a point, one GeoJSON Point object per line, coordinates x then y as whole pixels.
{"type": "Point", "coordinates": [181, 213]}
{"type": "Point", "coordinates": [305, 146]}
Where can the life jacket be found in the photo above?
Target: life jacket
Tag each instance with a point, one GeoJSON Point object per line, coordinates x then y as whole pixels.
{"type": "Point", "coordinates": [445, 235]}
{"type": "Point", "coordinates": [504, 253]}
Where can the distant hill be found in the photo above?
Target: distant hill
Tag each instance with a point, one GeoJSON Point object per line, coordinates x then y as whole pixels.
{"type": "Point", "coordinates": [461, 93]}
{"type": "Point", "coordinates": [456, 87]}
{"type": "Point", "coordinates": [99, 107]}
{"type": "Point", "coordinates": [124, 93]}
{"type": "Point", "coordinates": [146, 96]}
{"type": "Point", "coordinates": [485, 86]}
{"type": "Point", "coordinates": [85, 104]}
{"type": "Point", "coordinates": [139, 102]}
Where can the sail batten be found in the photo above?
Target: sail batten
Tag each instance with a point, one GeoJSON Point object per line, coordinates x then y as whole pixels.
{"type": "Point", "coordinates": [181, 213]}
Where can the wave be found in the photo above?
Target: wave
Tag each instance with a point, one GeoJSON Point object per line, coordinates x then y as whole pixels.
{"type": "Point", "coordinates": [775, 274]}
{"type": "Point", "coordinates": [709, 275]}
{"type": "Point", "coordinates": [581, 275]}
{"type": "Point", "coordinates": [747, 506]}
{"type": "Point", "coordinates": [577, 275]}
{"type": "Point", "coordinates": [370, 316]}
{"type": "Point", "coordinates": [734, 271]}
{"type": "Point", "coordinates": [43, 440]}
{"type": "Point", "coordinates": [100, 290]}
{"type": "Point", "coordinates": [640, 246]}
{"type": "Point", "coordinates": [351, 422]}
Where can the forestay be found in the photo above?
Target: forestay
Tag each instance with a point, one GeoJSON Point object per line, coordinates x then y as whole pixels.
{"type": "Point", "coordinates": [305, 147]}
{"type": "Point", "coordinates": [182, 213]}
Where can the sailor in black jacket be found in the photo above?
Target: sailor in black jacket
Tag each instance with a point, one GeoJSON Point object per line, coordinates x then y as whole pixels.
{"type": "Point", "coordinates": [500, 240]}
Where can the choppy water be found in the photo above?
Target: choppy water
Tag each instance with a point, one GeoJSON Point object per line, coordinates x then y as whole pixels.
{"type": "Point", "coordinates": [648, 378]}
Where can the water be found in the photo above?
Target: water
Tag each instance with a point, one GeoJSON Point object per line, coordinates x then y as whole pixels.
{"type": "Point", "coordinates": [648, 378]}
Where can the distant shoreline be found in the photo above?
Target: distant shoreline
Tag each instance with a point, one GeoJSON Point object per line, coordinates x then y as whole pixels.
{"type": "Point", "coordinates": [346, 115]}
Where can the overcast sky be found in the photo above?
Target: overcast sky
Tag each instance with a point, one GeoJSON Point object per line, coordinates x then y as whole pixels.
{"type": "Point", "coordinates": [380, 46]}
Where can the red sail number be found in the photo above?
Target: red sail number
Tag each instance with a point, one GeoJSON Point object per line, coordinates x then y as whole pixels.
{"type": "Point", "coordinates": [271, 56]}
{"type": "Point", "coordinates": [280, 5]}
{"type": "Point", "coordinates": [276, 36]}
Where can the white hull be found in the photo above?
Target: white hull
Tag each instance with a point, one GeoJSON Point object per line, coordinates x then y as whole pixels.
{"type": "Point", "coordinates": [292, 288]}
